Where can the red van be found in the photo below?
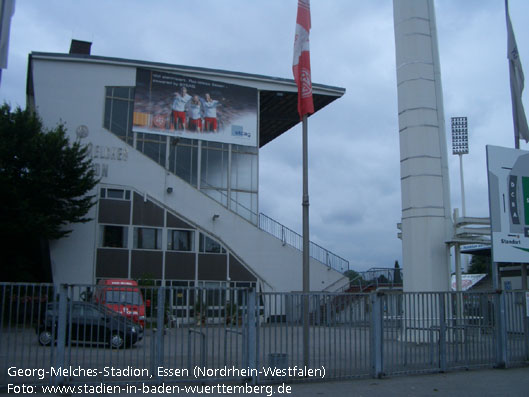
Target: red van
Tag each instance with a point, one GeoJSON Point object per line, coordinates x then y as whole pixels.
{"type": "Point", "coordinates": [122, 296]}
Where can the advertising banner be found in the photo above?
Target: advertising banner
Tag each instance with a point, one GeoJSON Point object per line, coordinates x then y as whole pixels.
{"type": "Point", "coordinates": [182, 106]}
{"type": "Point", "coordinates": [508, 174]}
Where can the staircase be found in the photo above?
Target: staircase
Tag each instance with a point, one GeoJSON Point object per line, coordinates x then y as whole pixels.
{"type": "Point", "coordinates": [267, 255]}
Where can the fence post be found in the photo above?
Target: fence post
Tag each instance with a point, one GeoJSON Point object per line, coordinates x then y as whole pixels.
{"type": "Point", "coordinates": [160, 317]}
{"type": "Point", "coordinates": [61, 332]}
{"type": "Point", "coordinates": [442, 331]}
{"type": "Point", "coordinates": [526, 323]}
{"type": "Point", "coordinates": [501, 331]}
{"type": "Point", "coordinates": [376, 334]}
{"type": "Point", "coordinates": [251, 324]}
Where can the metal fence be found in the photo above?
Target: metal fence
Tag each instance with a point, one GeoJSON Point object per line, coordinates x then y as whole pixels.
{"type": "Point", "coordinates": [187, 334]}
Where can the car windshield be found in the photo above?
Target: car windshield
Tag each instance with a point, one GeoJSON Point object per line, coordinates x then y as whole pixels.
{"type": "Point", "coordinates": [123, 297]}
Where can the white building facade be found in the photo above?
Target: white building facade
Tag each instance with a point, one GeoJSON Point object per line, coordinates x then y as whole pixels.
{"type": "Point", "coordinates": [179, 207]}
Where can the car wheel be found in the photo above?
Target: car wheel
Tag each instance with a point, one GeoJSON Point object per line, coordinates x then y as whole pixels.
{"type": "Point", "coordinates": [45, 337]}
{"type": "Point", "coordinates": [116, 341]}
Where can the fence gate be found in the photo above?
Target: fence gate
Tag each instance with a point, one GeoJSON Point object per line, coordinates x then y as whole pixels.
{"type": "Point", "coordinates": [187, 334]}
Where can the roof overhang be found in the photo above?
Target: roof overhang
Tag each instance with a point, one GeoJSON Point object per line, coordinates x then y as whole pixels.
{"type": "Point", "coordinates": [277, 96]}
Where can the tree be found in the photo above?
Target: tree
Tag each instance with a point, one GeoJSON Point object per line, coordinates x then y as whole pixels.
{"type": "Point", "coordinates": [44, 181]}
{"type": "Point", "coordinates": [397, 274]}
{"type": "Point", "coordinates": [480, 264]}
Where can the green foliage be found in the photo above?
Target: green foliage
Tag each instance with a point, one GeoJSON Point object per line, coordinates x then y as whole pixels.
{"type": "Point", "coordinates": [397, 274]}
{"type": "Point", "coordinates": [44, 181]}
{"type": "Point", "coordinates": [480, 264]}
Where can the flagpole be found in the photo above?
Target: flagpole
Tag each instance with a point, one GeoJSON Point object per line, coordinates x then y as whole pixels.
{"type": "Point", "coordinates": [301, 70]}
{"type": "Point", "coordinates": [306, 246]}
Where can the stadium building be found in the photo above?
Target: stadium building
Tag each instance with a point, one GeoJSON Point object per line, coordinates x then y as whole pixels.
{"type": "Point", "coordinates": [176, 149]}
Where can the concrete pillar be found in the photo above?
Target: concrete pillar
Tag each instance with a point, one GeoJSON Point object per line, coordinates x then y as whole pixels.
{"type": "Point", "coordinates": [426, 213]}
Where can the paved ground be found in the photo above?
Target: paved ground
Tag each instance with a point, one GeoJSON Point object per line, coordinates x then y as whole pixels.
{"type": "Point", "coordinates": [511, 382]}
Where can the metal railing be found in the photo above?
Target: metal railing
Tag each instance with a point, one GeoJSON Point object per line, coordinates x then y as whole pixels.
{"type": "Point", "coordinates": [265, 223]}
{"type": "Point", "coordinates": [375, 278]}
{"type": "Point", "coordinates": [190, 334]}
{"type": "Point", "coordinates": [290, 237]}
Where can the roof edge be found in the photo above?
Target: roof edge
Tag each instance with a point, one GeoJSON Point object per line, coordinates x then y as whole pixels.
{"type": "Point", "coordinates": [317, 88]}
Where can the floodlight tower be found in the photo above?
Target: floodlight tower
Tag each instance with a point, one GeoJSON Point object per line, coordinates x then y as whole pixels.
{"type": "Point", "coordinates": [426, 214]}
{"type": "Point", "coordinates": [460, 147]}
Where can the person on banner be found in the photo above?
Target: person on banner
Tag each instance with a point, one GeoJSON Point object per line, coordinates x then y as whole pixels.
{"type": "Point", "coordinates": [195, 111]}
{"type": "Point", "coordinates": [210, 114]}
{"type": "Point", "coordinates": [178, 119]}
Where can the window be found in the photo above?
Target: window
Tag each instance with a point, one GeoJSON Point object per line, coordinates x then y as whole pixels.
{"type": "Point", "coordinates": [118, 194]}
{"type": "Point", "coordinates": [183, 155]}
{"type": "Point", "coordinates": [124, 296]}
{"type": "Point", "coordinates": [208, 245]}
{"type": "Point", "coordinates": [153, 146]}
{"type": "Point", "coordinates": [113, 236]}
{"type": "Point", "coordinates": [119, 104]}
{"type": "Point", "coordinates": [180, 240]}
{"type": "Point", "coordinates": [147, 238]}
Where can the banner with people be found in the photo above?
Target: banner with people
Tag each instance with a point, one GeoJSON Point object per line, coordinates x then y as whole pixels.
{"type": "Point", "coordinates": [182, 106]}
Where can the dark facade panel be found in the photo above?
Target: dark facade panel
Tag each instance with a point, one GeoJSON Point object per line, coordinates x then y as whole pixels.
{"type": "Point", "coordinates": [146, 264]}
{"type": "Point", "coordinates": [173, 221]}
{"type": "Point", "coordinates": [146, 212]}
{"type": "Point", "coordinates": [114, 211]}
{"type": "Point", "coordinates": [238, 272]}
{"type": "Point", "coordinates": [212, 267]}
{"type": "Point", "coordinates": [179, 265]}
{"type": "Point", "coordinates": [112, 263]}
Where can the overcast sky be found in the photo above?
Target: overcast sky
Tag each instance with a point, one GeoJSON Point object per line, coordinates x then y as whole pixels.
{"type": "Point", "coordinates": [354, 174]}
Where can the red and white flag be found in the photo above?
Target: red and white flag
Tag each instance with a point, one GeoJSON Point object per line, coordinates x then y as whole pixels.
{"type": "Point", "coordinates": [301, 63]}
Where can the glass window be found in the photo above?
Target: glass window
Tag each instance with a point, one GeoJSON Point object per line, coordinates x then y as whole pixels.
{"type": "Point", "coordinates": [153, 146]}
{"type": "Point", "coordinates": [124, 296]}
{"type": "Point", "coordinates": [209, 245]}
{"type": "Point", "coordinates": [243, 171]}
{"type": "Point", "coordinates": [118, 194]}
{"type": "Point", "coordinates": [113, 236]}
{"type": "Point", "coordinates": [115, 193]}
{"type": "Point", "coordinates": [119, 104]}
{"type": "Point", "coordinates": [245, 204]}
{"type": "Point", "coordinates": [214, 168]}
{"type": "Point", "coordinates": [183, 155]}
{"type": "Point", "coordinates": [180, 240]}
{"type": "Point", "coordinates": [147, 238]}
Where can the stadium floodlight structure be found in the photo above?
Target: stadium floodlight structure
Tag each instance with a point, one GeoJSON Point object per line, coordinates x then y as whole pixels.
{"type": "Point", "coordinates": [425, 186]}
{"type": "Point", "coordinates": [460, 147]}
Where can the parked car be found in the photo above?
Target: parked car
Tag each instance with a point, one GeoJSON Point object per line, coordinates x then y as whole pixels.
{"type": "Point", "coordinates": [122, 296]}
{"type": "Point", "coordinates": [89, 323]}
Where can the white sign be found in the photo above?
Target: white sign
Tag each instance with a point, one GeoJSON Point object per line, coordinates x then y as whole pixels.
{"type": "Point", "coordinates": [467, 281]}
{"type": "Point", "coordinates": [508, 174]}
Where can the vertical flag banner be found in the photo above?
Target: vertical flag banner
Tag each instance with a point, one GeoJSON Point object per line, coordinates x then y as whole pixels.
{"type": "Point", "coordinates": [517, 83]}
{"type": "Point", "coordinates": [301, 62]}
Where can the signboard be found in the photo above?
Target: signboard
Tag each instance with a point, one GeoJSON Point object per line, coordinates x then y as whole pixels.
{"type": "Point", "coordinates": [508, 174]}
{"type": "Point", "coordinates": [182, 106]}
{"type": "Point", "coordinates": [467, 281]}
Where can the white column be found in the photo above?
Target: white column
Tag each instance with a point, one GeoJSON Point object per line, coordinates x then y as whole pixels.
{"type": "Point", "coordinates": [426, 213]}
